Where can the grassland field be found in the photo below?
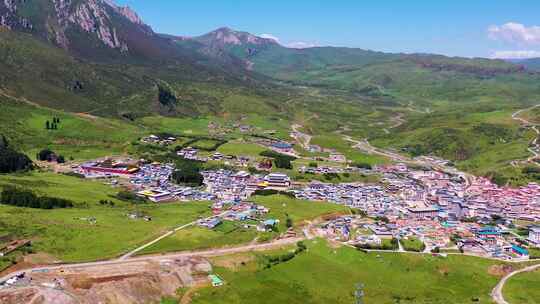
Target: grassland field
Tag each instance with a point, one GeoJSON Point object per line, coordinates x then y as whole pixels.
{"type": "Point", "coordinates": [522, 288]}
{"type": "Point", "coordinates": [324, 274]}
{"type": "Point", "coordinates": [68, 235]}
{"type": "Point", "coordinates": [229, 234]}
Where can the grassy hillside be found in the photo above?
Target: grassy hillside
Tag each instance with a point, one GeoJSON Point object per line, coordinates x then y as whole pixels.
{"type": "Point", "coordinates": [230, 233]}
{"type": "Point", "coordinates": [518, 289]}
{"type": "Point", "coordinates": [328, 275]}
{"type": "Point", "coordinates": [479, 141]}
{"type": "Point", "coordinates": [68, 235]}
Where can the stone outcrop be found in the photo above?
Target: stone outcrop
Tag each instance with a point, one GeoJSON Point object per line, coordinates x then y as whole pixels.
{"type": "Point", "coordinates": [95, 17]}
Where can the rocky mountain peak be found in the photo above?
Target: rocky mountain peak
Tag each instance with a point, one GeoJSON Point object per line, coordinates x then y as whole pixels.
{"type": "Point", "coordinates": [226, 36]}
{"type": "Point", "coordinates": [97, 18]}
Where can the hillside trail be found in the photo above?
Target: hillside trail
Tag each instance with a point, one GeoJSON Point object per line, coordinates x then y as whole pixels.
{"type": "Point", "coordinates": [365, 146]}
{"type": "Point", "coordinates": [497, 293]}
{"type": "Point", "coordinates": [535, 149]}
{"type": "Point", "coordinates": [20, 99]}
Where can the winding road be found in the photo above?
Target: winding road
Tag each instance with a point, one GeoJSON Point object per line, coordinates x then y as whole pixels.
{"type": "Point", "coordinates": [365, 146]}
{"type": "Point", "coordinates": [497, 293]}
{"type": "Point", "coordinates": [169, 233]}
{"type": "Point", "coordinates": [535, 150]}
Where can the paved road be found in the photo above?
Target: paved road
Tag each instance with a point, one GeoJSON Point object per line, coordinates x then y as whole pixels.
{"type": "Point", "coordinates": [497, 293]}
{"type": "Point", "coordinates": [169, 233]}
{"type": "Point", "coordinates": [364, 145]}
{"type": "Point", "coordinates": [170, 256]}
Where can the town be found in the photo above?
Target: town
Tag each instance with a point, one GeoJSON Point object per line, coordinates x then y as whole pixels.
{"type": "Point", "coordinates": [442, 210]}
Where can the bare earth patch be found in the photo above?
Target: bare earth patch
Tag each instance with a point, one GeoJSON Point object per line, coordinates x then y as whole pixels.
{"type": "Point", "coordinates": [500, 270]}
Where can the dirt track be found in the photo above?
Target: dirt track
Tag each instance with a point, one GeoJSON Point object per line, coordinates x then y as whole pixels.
{"type": "Point", "coordinates": [497, 293]}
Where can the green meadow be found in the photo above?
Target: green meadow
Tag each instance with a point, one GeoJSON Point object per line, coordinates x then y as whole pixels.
{"type": "Point", "coordinates": [523, 288]}
{"type": "Point", "coordinates": [324, 274]}
{"type": "Point", "coordinates": [70, 236]}
{"type": "Point", "coordinates": [231, 233]}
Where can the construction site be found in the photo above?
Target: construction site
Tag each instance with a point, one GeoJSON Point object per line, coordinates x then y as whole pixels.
{"type": "Point", "coordinates": [136, 281]}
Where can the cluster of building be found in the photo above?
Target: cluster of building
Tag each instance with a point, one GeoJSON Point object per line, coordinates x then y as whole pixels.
{"type": "Point", "coordinates": [108, 167]}
{"type": "Point", "coordinates": [229, 185]}
{"type": "Point", "coordinates": [250, 215]}
{"type": "Point", "coordinates": [152, 181]}
{"type": "Point", "coordinates": [332, 169]}
{"type": "Point", "coordinates": [163, 140]}
{"type": "Point", "coordinates": [436, 207]}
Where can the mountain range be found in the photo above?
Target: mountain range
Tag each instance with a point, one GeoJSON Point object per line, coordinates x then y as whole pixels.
{"type": "Point", "coordinates": [97, 58]}
{"type": "Point", "coordinates": [99, 55]}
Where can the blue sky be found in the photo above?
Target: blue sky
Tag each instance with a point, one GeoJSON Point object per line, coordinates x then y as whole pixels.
{"type": "Point", "coordinates": [482, 28]}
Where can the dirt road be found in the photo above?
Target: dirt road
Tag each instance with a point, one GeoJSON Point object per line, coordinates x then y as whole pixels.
{"type": "Point", "coordinates": [157, 258]}
{"type": "Point", "coordinates": [365, 146]}
{"type": "Point", "coordinates": [302, 138]}
{"type": "Point", "coordinates": [535, 149]}
{"type": "Point", "coordinates": [497, 293]}
{"type": "Point", "coordinates": [169, 233]}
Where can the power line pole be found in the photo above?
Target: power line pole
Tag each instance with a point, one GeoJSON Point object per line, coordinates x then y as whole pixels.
{"type": "Point", "coordinates": [359, 293]}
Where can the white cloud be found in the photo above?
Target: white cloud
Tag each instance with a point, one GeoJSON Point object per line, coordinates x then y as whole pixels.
{"type": "Point", "coordinates": [269, 36]}
{"type": "Point", "coordinates": [515, 54]}
{"type": "Point", "coordinates": [301, 45]}
{"type": "Point", "coordinates": [515, 33]}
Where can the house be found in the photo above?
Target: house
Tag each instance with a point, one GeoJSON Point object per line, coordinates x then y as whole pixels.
{"type": "Point", "coordinates": [337, 157]}
{"type": "Point", "coordinates": [216, 280]}
{"type": "Point", "coordinates": [213, 223]}
{"type": "Point", "coordinates": [423, 213]}
{"type": "Point", "coordinates": [267, 225]}
{"type": "Point", "coordinates": [210, 223]}
{"type": "Point", "coordinates": [534, 235]}
{"type": "Point", "coordinates": [520, 251]}
{"type": "Point", "coordinates": [156, 195]}
{"type": "Point", "coordinates": [282, 147]}
{"type": "Point", "coordinates": [279, 180]}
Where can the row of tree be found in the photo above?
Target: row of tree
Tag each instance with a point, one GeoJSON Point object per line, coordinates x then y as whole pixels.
{"type": "Point", "coordinates": [188, 172]}
{"type": "Point", "coordinates": [50, 156]}
{"type": "Point", "coordinates": [25, 198]}
{"type": "Point", "coordinates": [269, 261]}
{"type": "Point", "coordinates": [281, 161]}
{"type": "Point", "coordinates": [52, 125]}
{"type": "Point", "coordinates": [11, 160]}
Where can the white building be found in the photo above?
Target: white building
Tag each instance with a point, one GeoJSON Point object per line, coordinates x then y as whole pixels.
{"type": "Point", "coordinates": [534, 235]}
{"type": "Point", "coordinates": [279, 180]}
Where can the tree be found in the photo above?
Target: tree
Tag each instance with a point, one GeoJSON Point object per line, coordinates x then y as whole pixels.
{"type": "Point", "coordinates": [362, 165]}
{"type": "Point", "coordinates": [47, 125]}
{"type": "Point", "coordinates": [188, 172]}
{"type": "Point", "coordinates": [60, 159]}
{"type": "Point", "coordinates": [3, 142]}
{"type": "Point", "coordinates": [11, 160]}
{"type": "Point", "coordinates": [289, 222]}
{"type": "Point", "coordinates": [45, 155]}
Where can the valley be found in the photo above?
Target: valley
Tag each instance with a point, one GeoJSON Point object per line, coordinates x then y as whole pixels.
{"type": "Point", "coordinates": [146, 167]}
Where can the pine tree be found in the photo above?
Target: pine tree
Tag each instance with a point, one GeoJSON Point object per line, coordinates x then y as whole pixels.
{"type": "Point", "coordinates": [3, 142]}
{"type": "Point", "coordinates": [47, 125]}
